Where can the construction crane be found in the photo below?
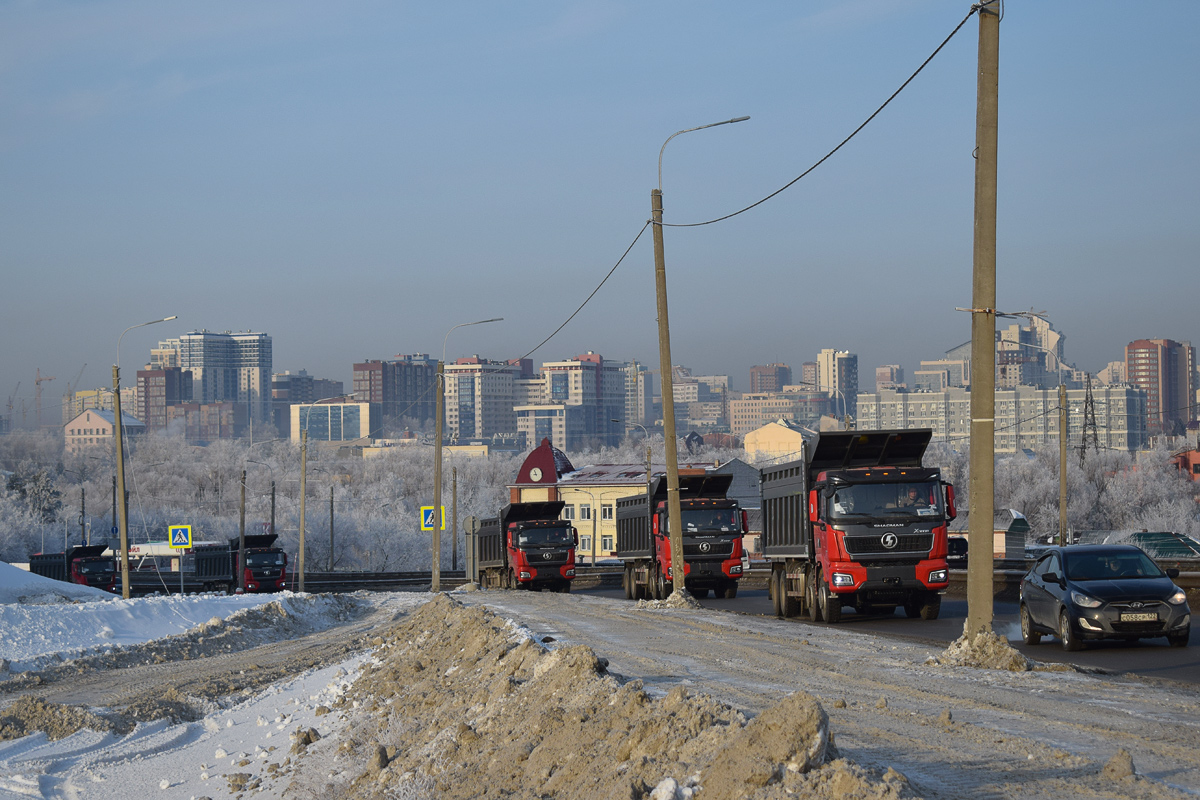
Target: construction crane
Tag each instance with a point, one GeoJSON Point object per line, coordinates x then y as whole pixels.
{"type": "Point", "coordinates": [72, 388]}
{"type": "Point", "coordinates": [37, 394]}
{"type": "Point", "coordinates": [11, 398]}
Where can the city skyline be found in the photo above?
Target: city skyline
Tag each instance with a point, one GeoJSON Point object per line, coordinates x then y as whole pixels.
{"type": "Point", "coordinates": [358, 180]}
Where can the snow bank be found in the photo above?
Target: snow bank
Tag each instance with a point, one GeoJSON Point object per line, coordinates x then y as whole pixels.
{"type": "Point", "coordinates": [19, 586]}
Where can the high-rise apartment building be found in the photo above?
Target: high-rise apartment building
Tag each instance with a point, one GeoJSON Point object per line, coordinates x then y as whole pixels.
{"type": "Point", "coordinates": [770, 377]}
{"type": "Point", "coordinates": [1165, 370]}
{"type": "Point", "coordinates": [639, 394]}
{"type": "Point", "coordinates": [479, 398]}
{"type": "Point", "coordinates": [582, 403]}
{"type": "Point", "coordinates": [801, 404]}
{"type": "Point", "coordinates": [810, 373]}
{"type": "Point", "coordinates": [838, 376]}
{"type": "Point", "coordinates": [226, 367]}
{"type": "Point", "coordinates": [404, 387]}
{"type": "Point", "coordinates": [889, 376]}
{"type": "Point", "coordinates": [158, 389]}
{"type": "Point", "coordinates": [1026, 417]}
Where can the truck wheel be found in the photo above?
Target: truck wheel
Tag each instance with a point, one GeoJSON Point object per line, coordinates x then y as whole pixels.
{"type": "Point", "coordinates": [700, 594]}
{"type": "Point", "coordinates": [831, 604]}
{"type": "Point", "coordinates": [811, 583]}
{"type": "Point", "coordinates": [627, 582]}
{"type": "Point", "coordinates": [730, 590]}
{"type": "Point", "coordinates": [665, 587]}
{"type": "Point", "coordinates": [912, 608]}
{"type": "Point", "coordinates": [566, 587]}
{"type": "Point", "coordinates": [775, 590]}
{"type": "Point", "coordinates": [932, 606]}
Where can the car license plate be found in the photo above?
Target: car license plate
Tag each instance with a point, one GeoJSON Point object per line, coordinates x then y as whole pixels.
{"type": "Point", "coordinates": [1150, 617]}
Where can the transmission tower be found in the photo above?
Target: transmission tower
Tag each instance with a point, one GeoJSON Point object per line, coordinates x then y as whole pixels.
{"type": "Point", "coordinates": [1089, 424]}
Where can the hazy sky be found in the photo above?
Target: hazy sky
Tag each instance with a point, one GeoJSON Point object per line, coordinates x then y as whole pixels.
{"type": "Point", "coordinates": [354, 178]}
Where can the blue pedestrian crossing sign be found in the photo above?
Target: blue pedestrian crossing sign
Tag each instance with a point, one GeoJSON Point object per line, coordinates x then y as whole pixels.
{"type": "Point", "coordinates": [179, 536]}
{"type": "Point", "coordinates": [427, 518]}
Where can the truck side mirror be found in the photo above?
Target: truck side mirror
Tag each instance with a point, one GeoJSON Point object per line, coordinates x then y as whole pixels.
{"type": "Point", "coordinates": [812, 506]}
{"type": "Point", "coordinates": [575, 535]}
{"type": "Point", "coordinates": [951, 509]}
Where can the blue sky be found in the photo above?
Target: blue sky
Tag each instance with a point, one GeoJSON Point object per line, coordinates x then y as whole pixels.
{"type": "Point", "coordinates": [356, 178]}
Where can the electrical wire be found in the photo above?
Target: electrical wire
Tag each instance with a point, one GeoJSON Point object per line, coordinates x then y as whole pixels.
{"type": "Point", "coordinates": [841, 144]}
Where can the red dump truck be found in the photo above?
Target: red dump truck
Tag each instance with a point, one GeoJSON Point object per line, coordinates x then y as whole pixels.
{"type": "Point", "coordinates": [82, 564]}
{"type": "Point", "coordinates": [713, 528]}
{"type": "Point", "coordinates": [857, 522]}
{"type": "Point", "coordinates": [527, 546]}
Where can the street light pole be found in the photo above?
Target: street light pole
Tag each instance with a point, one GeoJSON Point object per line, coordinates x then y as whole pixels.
{"type": "Point", "coordinates": [120, 455]}
{"type": "Point", "coordinates": [678, 568]}
{"type": "Point", "coordinates": [436, 582]}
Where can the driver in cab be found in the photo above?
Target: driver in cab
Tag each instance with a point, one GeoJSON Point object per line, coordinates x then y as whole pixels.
{"type": "Point", "coordinates": [913, 499]}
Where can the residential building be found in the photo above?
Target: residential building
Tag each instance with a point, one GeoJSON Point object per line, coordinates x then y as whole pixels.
{"type": "Point", "coordinates": [801, 404]}
{"type": "Point", "coordinates": [1025, 418]}
{"type": "Point", "coordinates": [1165, 370]}
{"type": "Point", "coordinates": [95, 428]}
{"type": "Point", "coordinates": [102, 399]}
{"type": "Point", "coordinates": [201, 423]}
{"type": "Point", "coordinates": [226, 367]}
{"type": "Point", "coordinates": [810, 373]}
{"type": "Point", "coordinates": [1114, 372]}
{"type": "Point", "coordinates": [770, 377]}
{"type": "Point", "coordinates": [639, 395]}
{"type": "Point", "coordinates": [344, 421]}
{"type": "Point", "coordinates": [404, 388]}
{"type": "Point", "coordinates": [479, 398]}
{"type": "Point", "coordinates": [581, 403]}
{"type": "Point", "coordinates": [839, 377]}
{"type": "Point", "coordinates": [159, 388]}
{"type": "Point", "coordinates": [940, 374]}
{"type": "Point", "coordinates": [776, 442]}
{"type": "Point", "coordinates": [889, 376]}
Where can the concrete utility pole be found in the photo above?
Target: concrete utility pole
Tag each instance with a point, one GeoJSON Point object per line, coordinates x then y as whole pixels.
{"type": "Point", "coordinates": [678, 569]}
{"type": "Point", "coordinates": [983, 331]}
{"type": "Point", "coordinates": [331, 527]}
{"type": "Point", "coordinates": [303, 494]}
{"type": "Point", "coordinates": [242, 537]}
{"type": "Point", "coordinates": [121, 512]}
{"type": "Point", "coordinates": [436, 585]}
{"type": "Point", "coordinates": [454, 517]}
{"type": "Point", "coordinates": [1062, 464]}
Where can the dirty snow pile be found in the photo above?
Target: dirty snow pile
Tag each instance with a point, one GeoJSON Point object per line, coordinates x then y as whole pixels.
{"type": "Point", "coordinates": [19, 586]}
{"type": "Point", "coordinates": [461, 704]}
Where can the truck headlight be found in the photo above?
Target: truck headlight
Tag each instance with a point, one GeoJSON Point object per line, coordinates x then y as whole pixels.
{"type": "Point", "coordinates": [570, 573]}
{"type": "Point", "coordinates": [524, 575]}
{"type": "Point", "coordinates": [736, 569]}
{"type": "Point", "coordinates": [937, 576]}
{"type": "Point", "coordinates": [842, 579]}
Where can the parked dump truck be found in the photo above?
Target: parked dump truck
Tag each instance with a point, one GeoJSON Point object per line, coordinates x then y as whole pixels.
{"type": "Point", "coordinates": [206, 566]}
{"type": "Point", "coordinates": [857, 522]}
{"type": "Point", "coordinates": [82, 564]}
{"type": "Point", "coordinates": [713, 528]}
{"type": "Point", "coordinates": [527, 547]}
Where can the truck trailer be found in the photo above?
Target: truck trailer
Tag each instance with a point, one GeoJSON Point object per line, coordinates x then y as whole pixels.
{"type": "Point", "coordinates": [857, 522]}
{"type": "Point", "coordinates": [83, 564]}
{"type": "Point", "coordinates": [206, 566]}
{"type": "Point", "coordinates": [713, 528]}
{"type": "Point", "coordinates": [527, 546]}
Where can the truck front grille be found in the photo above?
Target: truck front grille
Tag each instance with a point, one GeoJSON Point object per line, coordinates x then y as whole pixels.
{"type": "Point", "coordinates": [874, 544]}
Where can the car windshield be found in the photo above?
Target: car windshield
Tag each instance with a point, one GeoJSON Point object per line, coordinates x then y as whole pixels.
{"type": "Point", "coordinates": [710, 519]}
{"type": "Point", "coordinates": [956, 546]}
{"type": "Point", "coordinates": [546, 537]}
{"type": "Point", "coordinates": [1111, 565]}
{"type": "Point", "coordinates": [921, 499]}
{"type": "Point", "coordinates": [265, 559]}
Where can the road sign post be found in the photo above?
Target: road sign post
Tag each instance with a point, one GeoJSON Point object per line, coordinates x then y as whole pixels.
{"type": "Point", "coordinates": [179, 537]}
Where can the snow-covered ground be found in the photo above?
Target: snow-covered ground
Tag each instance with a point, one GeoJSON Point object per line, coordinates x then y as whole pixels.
{"type": "Point", "coordinates": [44, 621]}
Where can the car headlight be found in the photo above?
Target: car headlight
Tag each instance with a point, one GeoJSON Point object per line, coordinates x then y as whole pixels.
{"type": "Point", "coordinates": [1084, 601]}
{"type": "Point", "coordinates": [1179, 598]}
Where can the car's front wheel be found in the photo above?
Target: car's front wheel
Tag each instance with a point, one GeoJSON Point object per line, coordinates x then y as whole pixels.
{"type": "Point", "coordinates": [1070, 640]}
{"type": "Point", "coordinates": [1027, 632]}
{"type": "Point", "coordinates": [1179, 639]}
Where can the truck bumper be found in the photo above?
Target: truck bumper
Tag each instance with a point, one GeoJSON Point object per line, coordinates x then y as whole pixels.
{"type": "Point", "coordinates": [927, 575]}
{"type": "Point", "coordinates": [552, 574]}
{"type": "Point", "coordinates": [711, 574]}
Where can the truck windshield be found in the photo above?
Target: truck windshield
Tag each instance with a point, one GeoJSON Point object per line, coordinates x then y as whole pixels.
{"type": "Point", "coordinates": [918, 499]}
{"type": "Point", "coordinates": [265, 559]}
{"type": "Point", "coordinates": [96, 567]}
{"type": "Point", "coordinates": [545, 537]}
{"type": "Point", "coordinates": [710, 519]}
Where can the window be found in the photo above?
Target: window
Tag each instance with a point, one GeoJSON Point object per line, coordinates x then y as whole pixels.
{"type": "Point", "coordinates": [585, 544]}
{"type": "Point", "coordinates": [568, 512]}
{"type": "Point", "coordinates": [585, 511]}
{"type": "Point", "coordinates": [606, 543]}
{"type": "Point", "coordinates": [606, 509]}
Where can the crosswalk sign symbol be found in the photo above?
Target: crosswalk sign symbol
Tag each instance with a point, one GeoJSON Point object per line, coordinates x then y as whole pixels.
{"type": "Point", "coordinates": [179, 536]}
{"type": "Point", "coordinates": [428, 517]}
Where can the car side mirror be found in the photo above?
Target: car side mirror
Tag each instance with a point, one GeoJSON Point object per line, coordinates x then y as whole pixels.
{"type": "Point", "coordinates": [1052, 577]}
{"type": "Point", "coordinates": [1172, 573]}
